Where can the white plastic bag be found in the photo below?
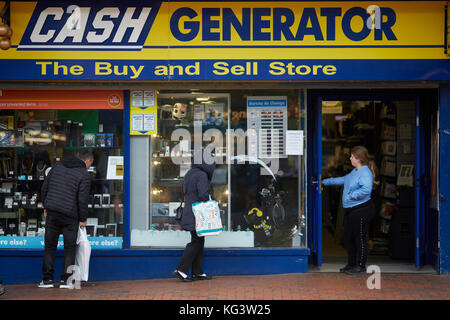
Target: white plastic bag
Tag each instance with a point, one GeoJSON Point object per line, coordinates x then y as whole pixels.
{"type": "Point", "coordinates": [83, 254]}
{"type": "Point", "coordinates": [207, 218]}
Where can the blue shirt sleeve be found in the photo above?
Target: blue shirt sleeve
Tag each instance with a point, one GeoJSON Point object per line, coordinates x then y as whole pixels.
{"type": "Point", "coordinates": [334, 181]}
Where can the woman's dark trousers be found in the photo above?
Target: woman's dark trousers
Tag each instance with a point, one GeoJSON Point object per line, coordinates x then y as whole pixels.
{"type": "Point", "coordinates": [193, 255]}
{"type": "Point", "coordinates": [55, 224]}
{"type": "Point", "coordinates": [356, 226]}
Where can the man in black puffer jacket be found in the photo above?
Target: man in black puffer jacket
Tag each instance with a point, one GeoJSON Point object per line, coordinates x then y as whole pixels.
{"type": "Point", "coordinates": [65, 196]}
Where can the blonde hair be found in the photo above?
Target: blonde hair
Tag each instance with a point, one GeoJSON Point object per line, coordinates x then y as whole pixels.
{"type": "Point", "coordinates": [361, 153]}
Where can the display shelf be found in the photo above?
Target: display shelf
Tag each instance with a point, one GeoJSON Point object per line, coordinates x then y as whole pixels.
{"type": "Point", "coordinates": [8, 215]}
{"type": "Point", "coordinates": [51, 142]}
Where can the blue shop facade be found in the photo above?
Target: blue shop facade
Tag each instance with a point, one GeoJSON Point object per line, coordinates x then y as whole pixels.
{"type": "Point", "coordinates": [279, 94]}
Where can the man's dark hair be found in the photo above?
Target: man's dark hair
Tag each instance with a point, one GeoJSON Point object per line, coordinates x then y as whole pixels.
{"type": "Point", "coordinates": [85, 155]}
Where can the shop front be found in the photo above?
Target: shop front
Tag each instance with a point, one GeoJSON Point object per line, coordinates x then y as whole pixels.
{"type": "Point", "coordinates": [278, 94]}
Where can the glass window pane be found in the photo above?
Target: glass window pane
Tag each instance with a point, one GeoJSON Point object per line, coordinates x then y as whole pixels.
{"type": "Point", "coordinates": [31, 141]}
{"type": "Point", "coordinates": [265, 192]}
{"type": "Point", "coordinates": [257, 209]}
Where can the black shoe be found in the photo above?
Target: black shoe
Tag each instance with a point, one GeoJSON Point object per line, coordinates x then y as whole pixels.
{"type": "Point", "coordinates": [356, 270]}
{"type": "Point", "coordinates": [179, 276]}
{"type": "Point", "coordinates": [347, 267]}
{"type": "Point", "coordinates": [46, 284]}
{"type": "Point", "coordinates": [200, 277]}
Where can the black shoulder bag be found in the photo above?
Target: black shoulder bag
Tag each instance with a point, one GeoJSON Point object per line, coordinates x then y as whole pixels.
{"type": "Point", "coordinates": [179, 210]}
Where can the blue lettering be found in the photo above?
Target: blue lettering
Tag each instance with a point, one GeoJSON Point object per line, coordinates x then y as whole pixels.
{"type": "Point", "coordinates": [259, 24]}
{"type": "Point", "coordinates": [192, 26]}
{"type": "Point", "coordinates": [229, 18]}
{"type": "Point", "coordinates": [309, 14]}
{"type": "Point", "coordinates": [280, 27]}
{"type": "Point", "coordinates": [208, 24]}
{"type": "Point", "coordinates": [387, 25]}
{"type": "Point", "coordinates": [331, 14]}
{"type": "Point", "coordinates": [346, 24]}
{"type": "Point", "coordinates": [254, 20]}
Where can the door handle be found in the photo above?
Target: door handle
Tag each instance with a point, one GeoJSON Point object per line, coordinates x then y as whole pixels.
{"type": "Point", "coordinates": [318, 185]}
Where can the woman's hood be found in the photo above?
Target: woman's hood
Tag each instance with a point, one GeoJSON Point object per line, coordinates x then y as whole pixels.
{"type": "Point", "coordinates": [208, 163]}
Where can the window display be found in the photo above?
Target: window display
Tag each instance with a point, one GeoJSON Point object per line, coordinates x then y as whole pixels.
{"type": "Point", "coordinates": [267, 185]}
{"type": "Point", "coordinates": [184, 121]}
{"type": "Point", "coordinates": [31, 141]}
{"type": "Point", "coordinates": [261, 195]}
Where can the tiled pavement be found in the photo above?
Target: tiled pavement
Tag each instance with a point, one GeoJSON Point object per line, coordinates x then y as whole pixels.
{"type": "Point", "coordinates": [305, 286]}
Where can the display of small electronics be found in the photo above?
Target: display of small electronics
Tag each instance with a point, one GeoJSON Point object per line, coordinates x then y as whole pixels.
{"type": "Point", "coordinates": [91, 201]}
{"type": "Point", "coordinates": [160, 209]}
{"type": "Point", "coordinates": [12, 228]}
{"type": "Point", "coordinates": [32, 225]}
{"type": "Point", "coordinates": [6, 187]}
{"type": "Point", "coordinates": [8, 202]}
{"type": "Point", "coordinates": [111, 229]}
{"type": "Point", "coordinates": [101, 231]}
{"type": "Point", "coordinates": [89, 140]}
{"type": "Point", "coordinates": [120, 228]}
{"type": "Point", "coordinates": [97, 200]}
{"type": "Point", "coordinates": [105, 140]}
{"type": "Point", "coordinates": [90, 230]}
{"type": "Point", "coordinates": [105, 200]}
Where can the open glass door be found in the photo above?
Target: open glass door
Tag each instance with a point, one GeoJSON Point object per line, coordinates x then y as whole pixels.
{"type": "Point", "coordinates": [395, 133]}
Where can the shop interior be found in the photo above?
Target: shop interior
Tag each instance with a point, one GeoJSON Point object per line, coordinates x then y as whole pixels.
{"type": "Point", "coordinates": [387, 130]}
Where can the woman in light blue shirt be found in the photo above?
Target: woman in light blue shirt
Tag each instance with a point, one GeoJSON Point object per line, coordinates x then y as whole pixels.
{"type": "Point", "coordinates": [358, 207]}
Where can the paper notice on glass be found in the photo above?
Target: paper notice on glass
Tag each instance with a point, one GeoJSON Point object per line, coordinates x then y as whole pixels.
{"type": "Point", "coordinates": [115, 168]}
{"type": "Point", "coordinates": [149, 122]}
{"type": "Point", "coordinates": [149, 98]}
{"type": "Point", "coordinates": [137, 122]}
{"type": "Point", "coordinates": [137, 98]}
{"type": "Point", "coordinates": [294, 142]}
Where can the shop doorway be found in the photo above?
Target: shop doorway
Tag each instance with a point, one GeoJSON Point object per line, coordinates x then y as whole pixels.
{"type": "Point", "coordinates": [395, 131]}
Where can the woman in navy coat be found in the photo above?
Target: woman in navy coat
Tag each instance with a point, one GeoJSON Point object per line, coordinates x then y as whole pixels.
{"type": "Point", "coordinates": [197, 187]}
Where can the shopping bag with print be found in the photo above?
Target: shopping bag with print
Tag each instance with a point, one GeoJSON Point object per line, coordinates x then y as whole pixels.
{"type": "Point", "coordinates": [207, 218]}
{"type": "Point", "coordinates": [83, 254]}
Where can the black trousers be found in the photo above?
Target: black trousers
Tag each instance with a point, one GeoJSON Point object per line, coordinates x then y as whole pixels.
{"type": "Point", "coordinates": [356, 227]}
{"type": "Point", "coordinates": [193, 255]}
{"type": "Point", "coordinates": [55, 224]}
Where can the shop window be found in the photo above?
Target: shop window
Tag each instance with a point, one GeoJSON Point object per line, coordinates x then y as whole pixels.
{"type": "Point", "coordinates": [268, 193]}
{"type": "Point", "coordinates": [157, 192]}
{"type": "Point", "coordinates": [261, 192]}
{"type": "Point", "coordinates": [31, 142]}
